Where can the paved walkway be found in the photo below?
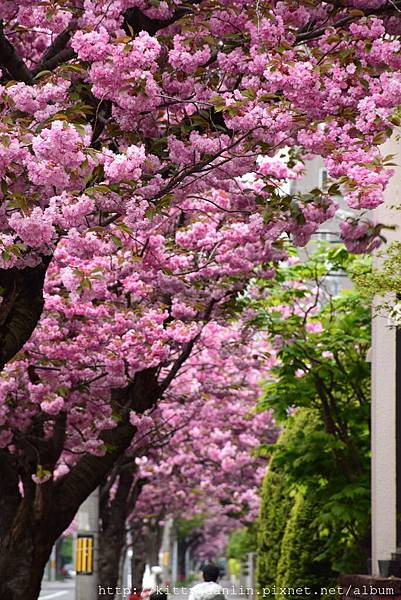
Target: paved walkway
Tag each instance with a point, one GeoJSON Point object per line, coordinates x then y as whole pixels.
{"type": "Point", "coordinates": [231, 592]}
{"type": "Point", "coordinates": [58, 590]}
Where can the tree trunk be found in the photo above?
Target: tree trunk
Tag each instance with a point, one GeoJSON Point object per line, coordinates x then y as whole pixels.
{"type": "Point", "coordinates": [21, 570]}
{"type": "Point", "coordinates": [138, 565]}
{"type": "Point", "coordinates": [146, 541]}
{"type": "Point", "coordinates": [30, 525]}
{"type": "Point", "coordinates": [139, 558]}
{"type": "Point", "coordinates": [110, 550]}
{"type": "Point", "coordinates": [153, 544]}
{"type": "Point", "coordinates": [59, 558]}
{"type": "Point", "coordinates": [182, 548]}
{"type": "Point", "coordinates": [26, 547]}
{"type": "Point", "coordinates": [113, 515]}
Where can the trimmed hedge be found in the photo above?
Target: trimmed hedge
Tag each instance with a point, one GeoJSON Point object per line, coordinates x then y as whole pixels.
{"type": "Point", "coordinates": [298, 566]}
{"type": "Point", "coordinates": [289, 543]}
{"type": "Point", "coordinates": [275, 510]}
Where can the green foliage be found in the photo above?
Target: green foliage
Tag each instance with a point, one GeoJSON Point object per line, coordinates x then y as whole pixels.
{"type": "Point", "coordinates": [66, 550]}
{"type": "Point", "coordinates": [314, 365]}
{"type": "Point", "coordinates": [275, 509]}
{"type": "Point", "coordinates": [312, 460]}
{"type": "Point", "coordinates": [241, 542]}
{"type": "Point", "coordinates": [234, 567]}
{"type": "Point", "coordinates": [184, 527]}
{"type": "Point", "coordinates": [385, 279]}
{"type": "Point", "coordinates": [321, 342]}
{"type": "Point", "coordinates": [299, 565]}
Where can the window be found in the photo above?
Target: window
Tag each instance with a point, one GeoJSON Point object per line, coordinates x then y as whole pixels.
{"type": "Point", "coordinates": [323, 179]}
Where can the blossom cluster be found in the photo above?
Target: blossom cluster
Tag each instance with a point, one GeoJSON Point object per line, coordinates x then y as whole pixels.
{"type": "Point", "coordinates": [148, 103]}
{"type": "Point", "coordinates": [210, 465]}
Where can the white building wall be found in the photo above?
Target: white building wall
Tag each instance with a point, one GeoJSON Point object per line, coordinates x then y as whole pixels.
{"type": "Point", "coordinates": [384, 395]}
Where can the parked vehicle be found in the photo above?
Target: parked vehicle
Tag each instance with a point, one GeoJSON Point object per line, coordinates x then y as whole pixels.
{"type": "Point", "coordinates": [68, 570]}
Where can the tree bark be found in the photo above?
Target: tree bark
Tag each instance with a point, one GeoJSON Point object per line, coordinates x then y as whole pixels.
{"type": "Point", "coordinates": [26, 547]}
{"type": "Point", "coordinates": [145, 550]}
{"type": "Point", "coordinates": [138, 563]}
{"type": "Point", "coordinates": [153, 544]}
{"type": "Point", "coordinates": [182, 548]}
{"type": "Point", "coordinates": [113, 515]}
{"type": "Point", "coordinates": [22, 569]}
{"type": "Point", "coordinates": [21, 307]}
{"type": "Point", "coordinates": [30, 525]}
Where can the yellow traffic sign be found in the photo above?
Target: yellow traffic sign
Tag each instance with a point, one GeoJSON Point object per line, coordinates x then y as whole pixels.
{"type": "Point", "coordinates": [84, 554]}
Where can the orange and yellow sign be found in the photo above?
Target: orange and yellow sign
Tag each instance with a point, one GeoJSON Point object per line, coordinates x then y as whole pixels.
{"type": "Point", "coordinates": [84, 560]}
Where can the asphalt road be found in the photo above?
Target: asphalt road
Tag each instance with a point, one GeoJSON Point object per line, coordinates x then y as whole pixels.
{"type": "Point", "coordinates": [57, 590]}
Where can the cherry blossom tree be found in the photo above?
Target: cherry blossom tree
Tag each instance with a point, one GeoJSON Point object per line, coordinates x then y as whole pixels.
{"type": "Point", "coordinates": [209, 471]}
{"type": "Point", "coordinates": [113, 110]}
{"type": "Point", "coordinates": [116, 331]}
{"type": "Point", "coordinates": [195, 454]}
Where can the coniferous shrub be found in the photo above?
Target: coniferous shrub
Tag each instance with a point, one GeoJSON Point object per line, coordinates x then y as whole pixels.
{"type": "Point", "coordinates": [275, 509]}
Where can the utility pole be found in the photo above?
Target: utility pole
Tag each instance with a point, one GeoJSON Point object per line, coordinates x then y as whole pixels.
{"type": "Point", "coordinates": [53, 565]}
{"type": "Point", "coordinates": [174, 567]}
{"type": "Point", "coordinates": [86, 550]}
{"type": "Point", "coordinates": [165, 551]}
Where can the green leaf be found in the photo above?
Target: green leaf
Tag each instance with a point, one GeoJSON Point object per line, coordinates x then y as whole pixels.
{"type": "Point", "coordinates": [117, 241]}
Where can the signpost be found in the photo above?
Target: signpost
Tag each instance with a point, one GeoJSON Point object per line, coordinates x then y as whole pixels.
{"type": "Point", "coordinates": [86, 548]}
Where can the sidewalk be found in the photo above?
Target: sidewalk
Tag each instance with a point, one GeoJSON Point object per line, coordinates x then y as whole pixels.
{"type": "Point", "coordinates": [235, 592]}
{"type": "Point", "coordinates": [58, 590]}
{"type": "Point", "coordinates": [231, 591]}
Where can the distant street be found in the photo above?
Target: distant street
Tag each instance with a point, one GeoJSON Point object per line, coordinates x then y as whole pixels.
{"type": "Point", "coordinates": [58, 590]}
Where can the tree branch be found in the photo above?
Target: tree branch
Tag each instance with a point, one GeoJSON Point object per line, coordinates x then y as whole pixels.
{"type": "Point", "coordinates": [21, 306]}
{"type": "Point", "coordinates": [71, 490]}
{"type": "Point", "coordinates": [58, 45]}
{"type": "Point", "coordinates": [135, 21]}
{"type": "Point", "coordinates": [58, 59]}
{"type": "Point", "coordinates": [11, 61]}
{"type": "Point", "coordinates": [185, 354]}
{"type": "Point", "coordinates": [305, 36]}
